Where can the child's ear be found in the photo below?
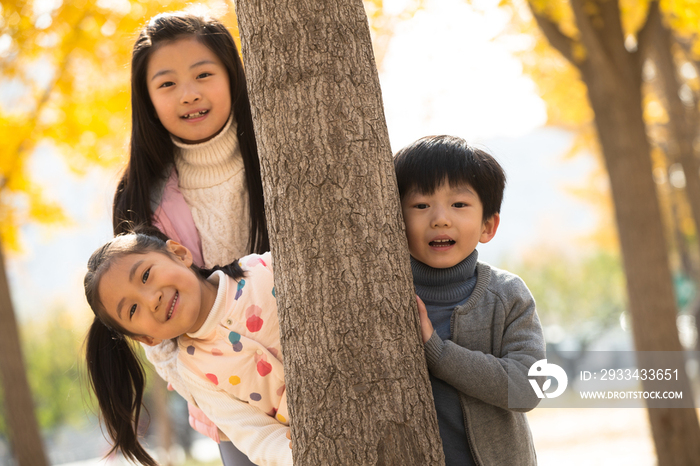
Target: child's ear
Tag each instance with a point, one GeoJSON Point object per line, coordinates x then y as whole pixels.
{"type": "Point", "coordinates": [146, 340]}
{"type": "Point", "coordinates": [489, 228]}
{"type": "Point", "coordinates": [180, 251]}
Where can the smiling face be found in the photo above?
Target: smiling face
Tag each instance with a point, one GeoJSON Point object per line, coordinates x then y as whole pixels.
{"type": "Point", "coordinates": [444, 227]}
{"type": "Point", "coordinates": [156, 296]}
{"type": "Point", "coordinates": [189, 88]}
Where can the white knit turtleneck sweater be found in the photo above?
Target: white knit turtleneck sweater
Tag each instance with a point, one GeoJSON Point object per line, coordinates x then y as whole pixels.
{"type": "Point", "coordinates": [212, 180]}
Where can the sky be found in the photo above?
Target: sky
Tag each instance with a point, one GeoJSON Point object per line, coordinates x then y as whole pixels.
{"type": "Point", "coordinates": [445, 72]}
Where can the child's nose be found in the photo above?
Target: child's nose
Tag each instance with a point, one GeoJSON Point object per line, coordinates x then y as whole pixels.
{"type": "Point", "coordinates": [441, 219]}
{"type": "Point", "coordinates": [155, 301]}
{"type": "Point", "coordinates": [190, 95]}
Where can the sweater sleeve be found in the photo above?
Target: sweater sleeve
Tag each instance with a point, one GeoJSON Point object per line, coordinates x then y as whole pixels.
{"type": "Point", "coordinates": [497, 380]}
{"type": "Point", "coordinates": [164, 358]}
{"type": "Point", "coordinates": [259, 436]}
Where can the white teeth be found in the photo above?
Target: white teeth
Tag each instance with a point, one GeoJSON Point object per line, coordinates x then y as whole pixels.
{"type": "Point", "coordinates": [442, 240]}
{"type": "Point", "coordinates": [170, 312]}
{"type": "Point", "coordinates": [195, 115]}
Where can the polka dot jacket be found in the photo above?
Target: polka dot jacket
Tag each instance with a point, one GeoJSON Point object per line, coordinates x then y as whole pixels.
{"type": "Point", "coordinates": [237, 350]}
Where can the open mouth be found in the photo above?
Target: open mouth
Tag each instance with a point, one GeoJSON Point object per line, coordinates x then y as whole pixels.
{"type": "Point", "coordinates": [198, 114]}
{"type": "Point", "coordinates": [172, 306]}
{"type": "Point", "coordinates": [442, 243]}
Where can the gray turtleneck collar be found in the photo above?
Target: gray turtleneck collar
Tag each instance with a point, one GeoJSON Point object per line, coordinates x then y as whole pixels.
{"type": "Point", "coordinates": [445, 287]}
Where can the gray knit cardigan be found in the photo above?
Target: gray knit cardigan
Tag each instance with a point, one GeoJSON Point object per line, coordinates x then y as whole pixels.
{"type": "Point", "coordinates": [496, 337]}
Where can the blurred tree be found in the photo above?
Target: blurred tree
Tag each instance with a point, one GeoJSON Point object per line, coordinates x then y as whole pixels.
{"type": "Point", "coordinates": [567, 102]}
{"type": "Point", "coordinates": [683, 118]}
{"type": "Point", "coordinates": [19, 409]}
{"type": "Point", "coordinates": [607, 43]}
{"type": "Point", "coordinates": [52, 345]}
{"type": "Point", "coordinates": [64, 80]}
{"type": "Point", "coordinates": [680, 92]}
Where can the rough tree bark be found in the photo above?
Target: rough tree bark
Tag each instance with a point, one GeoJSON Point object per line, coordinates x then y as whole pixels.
{"type": "Point", "coordinates": [613, 77]}
{"type": "Point", "coordinates": [357, 382]}
{"type": "Point", "coordinates": [27, 445]}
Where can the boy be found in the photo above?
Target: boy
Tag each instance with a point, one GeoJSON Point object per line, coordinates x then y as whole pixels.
{"type": "Point", "coordinates": [479, 324]}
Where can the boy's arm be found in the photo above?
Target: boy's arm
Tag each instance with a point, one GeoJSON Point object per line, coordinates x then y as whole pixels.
{"type": "Point", "coordinates": [485, 376]}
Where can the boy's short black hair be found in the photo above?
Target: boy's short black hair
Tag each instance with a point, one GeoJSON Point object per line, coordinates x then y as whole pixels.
{"type": "Point", "coordinates": [425, 164]}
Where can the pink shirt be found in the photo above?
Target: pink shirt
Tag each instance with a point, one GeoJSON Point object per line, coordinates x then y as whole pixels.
{"type": "Point", "coordinates": [174, 218]}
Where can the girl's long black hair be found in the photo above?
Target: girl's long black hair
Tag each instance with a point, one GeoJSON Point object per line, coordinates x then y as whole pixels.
{"type": "Point", "coordinates": [115, 372]}
{"type": "Point", "coordinates": [151, 150]}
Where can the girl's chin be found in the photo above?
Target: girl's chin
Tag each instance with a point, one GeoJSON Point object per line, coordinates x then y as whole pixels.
{"type": "Point", "coordinates": [196, 141]}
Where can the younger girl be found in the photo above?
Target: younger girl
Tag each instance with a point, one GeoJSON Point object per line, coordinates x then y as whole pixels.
{"type": "Point", "coordinates": [225, 323]}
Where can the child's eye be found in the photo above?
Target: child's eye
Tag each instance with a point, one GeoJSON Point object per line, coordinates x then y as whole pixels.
{"type": "Point", "coordinates": [132, 311]}
{"type": "Point", "coordinates": [204, 75]}
{"type": "Point", "coordinates": [145, 275]}
{"type": "Point", "coordinates": [166, 84]}
{"type": "Point", "coordinates": [460, 204]}
{"type": "Point", "coordinates": [421, 206]}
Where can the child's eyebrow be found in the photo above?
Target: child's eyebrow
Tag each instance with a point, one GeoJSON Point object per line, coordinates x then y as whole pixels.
{"type": "Point", "coordinates": [203, 62]}
{"type": "Point", "coordinates": [195, 65]}
{"type": "Point", "coordinates": [132, 272]}
{"type": "Point", "coordinates": [464, 190]}
{"type": "Point", "coordinates": [133, 269]}
{"type": "Point", "coordinates": [119, 308]}
{"type": "Point", "coordinates": [160, 73]}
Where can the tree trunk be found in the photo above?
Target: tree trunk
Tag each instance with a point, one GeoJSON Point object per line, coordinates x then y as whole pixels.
{"type": "Point", "coordinates": [27, 445]}
{"type": "Point", "coordinates": [649, 285]}
{"type": "Point", "coordinates": [685, 257]}
{"type": "Point", "coordinates": [682, 120]}
{"type": "Point", "coordinates": [613, 78]}
{"type": "Point", "coordinates": [357, 381]}
{"type": "Point", "coordinates": [683, 124]}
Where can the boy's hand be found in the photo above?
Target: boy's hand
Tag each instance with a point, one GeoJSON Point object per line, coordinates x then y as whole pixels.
{"type": "Point", "coordinates": [426, 327]}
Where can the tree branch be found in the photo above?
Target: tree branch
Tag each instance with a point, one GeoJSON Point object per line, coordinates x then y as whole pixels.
{"type": "Point", "coordinates": [590, 38]}
{"type": "Point", "coordinates": [562, 43]}
{"type": "Point", "coordinates": [42, 100]}
{"type": "Point", "coordinates": [647, 31]}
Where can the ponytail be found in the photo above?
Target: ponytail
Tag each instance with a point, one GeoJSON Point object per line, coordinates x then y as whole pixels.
{"type": "Point", "coordinates": [233, 270]}
{"type": "Point", "coordinates": [118, 379]}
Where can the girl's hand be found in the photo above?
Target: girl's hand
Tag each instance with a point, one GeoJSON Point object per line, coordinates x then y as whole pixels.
{"type": "Point", "coordinates": [289, 436]}
{"type": "Point", "coordinates": [426, 327]}
{"type": "Point", "coordinates": [201, 423]}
